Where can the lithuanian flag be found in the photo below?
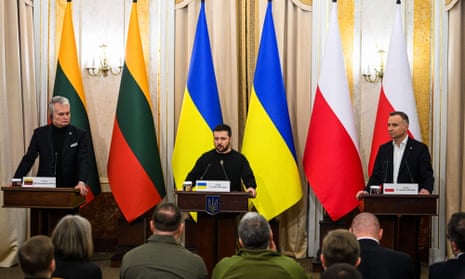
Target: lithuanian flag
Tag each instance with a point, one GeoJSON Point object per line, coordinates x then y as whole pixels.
{"type": "Point", "coordinates": [134, 167]}
{"type": "Point", "coordinates": [68, 83]}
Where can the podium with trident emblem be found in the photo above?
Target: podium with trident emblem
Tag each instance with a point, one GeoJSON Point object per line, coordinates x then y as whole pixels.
{"type": "Point", "coordinates": [214, 235]}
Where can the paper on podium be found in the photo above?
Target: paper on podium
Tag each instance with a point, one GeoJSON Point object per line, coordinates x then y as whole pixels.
{"type": "Point", "coordinates": [212, 185]}
{"type": "Point", "coordinates": [36, 181]}
{"type": "Point", "coordinates": [400, 188]}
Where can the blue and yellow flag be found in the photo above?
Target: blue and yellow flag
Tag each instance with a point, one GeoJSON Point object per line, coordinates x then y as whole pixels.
{"type": "Point", "coordinates": [268, 142]}
{"type": "Point", "coordinates": [200, 110]}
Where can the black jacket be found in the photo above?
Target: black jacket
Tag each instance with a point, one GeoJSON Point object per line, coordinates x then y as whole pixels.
{"type": "Point", "coordinates": [383, 263]}
{"type": "Point", "coordinates": [415, 166]}
{"type": "Point", "coordinates": [75, 155]}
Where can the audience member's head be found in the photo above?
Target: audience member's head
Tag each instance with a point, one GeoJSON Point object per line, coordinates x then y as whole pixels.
{"type": "Point", "coordinates": [255, 232]}
{"type": "Point", "coordinates": [36, 257]}
{"type": "Point", "coordinates": [72, 238]}
{"type": "Point", "coordinates": [167, 220]}
{"type": "Point", "coordinates": [456, 232]}
{"type": "Point", "coordinates": [340, 246]}
{"type": "Point", "coordinates": [366, 224]}
{"type": "Point", "coordinates": [341, 271]}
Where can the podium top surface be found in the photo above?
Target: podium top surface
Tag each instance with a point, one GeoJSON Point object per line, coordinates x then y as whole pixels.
{"type": "Point", "coordinates": [414, 205]}
{"type": "Point", "coordinates": [200, 201]}
{"type": "Point", "coordinates": [37, 197]}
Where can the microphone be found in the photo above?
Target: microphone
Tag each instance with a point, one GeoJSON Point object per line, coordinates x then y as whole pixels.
{"type": "Point", "coordinates": [55, 167]}
{"type": "Point", "coordinates": [205, 171]}
{"type": "Point", "coordinates": [409, 172]}
{"type": "Point", "coordinates": [224, 171]}
{"type": "Point", "coordinates": [386, 171]}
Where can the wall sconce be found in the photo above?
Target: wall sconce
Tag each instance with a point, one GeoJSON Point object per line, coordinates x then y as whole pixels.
{"type": "Point", "coordinates": [104, 66]}
{"type": "Point", "coordinates": [378, 73]}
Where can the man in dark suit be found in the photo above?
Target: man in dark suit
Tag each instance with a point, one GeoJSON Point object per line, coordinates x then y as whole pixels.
{"type": "Point", "coordinates": [378, 262]}
{"type": "Point", "coordinates": [452, 268]}
{"type": "Point", "coordinates": [402, 160]}
{"type": "Point", "coordinates": [339, 246]}
{"type": "Point", "coordinates": [63, 149]}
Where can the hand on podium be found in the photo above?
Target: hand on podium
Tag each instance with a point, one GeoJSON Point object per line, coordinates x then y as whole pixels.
{"type": "Point", "coordinates": [81, 186]}
{"type": "Point", "coordinates": [252, 192]}
{"type": "Point", "coordinates": [423, 191]}
{"type": "Point", "coordinates": [360, 193]}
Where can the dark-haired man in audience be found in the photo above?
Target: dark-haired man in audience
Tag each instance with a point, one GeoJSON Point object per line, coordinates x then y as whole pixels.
{"type": "Point", "coordinates": [258, 257]}
{"type": "Point", "coordinates": [452, 268]}
{"type": "Point", "coordinates": [341, 271]}
{"type": "Point", "coordinates": [162, 256]}
{"type": "Point", "coordinates": [378, 262]}
{"type": "Point", "coordinates": [340, 246]}
{"type": "Point", "coordinates": [36, 257]}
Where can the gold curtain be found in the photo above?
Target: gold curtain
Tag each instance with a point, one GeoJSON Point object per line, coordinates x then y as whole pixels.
{"type": "Point", "coordinates": [235, 29]}
{"type": "Point", "coordinates": [18, 113]}
{"type": "Point", "coordinates": [455, 154]}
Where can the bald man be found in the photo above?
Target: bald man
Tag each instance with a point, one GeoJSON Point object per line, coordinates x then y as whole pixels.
{"type": "Point", "coordinates": [378, 262]}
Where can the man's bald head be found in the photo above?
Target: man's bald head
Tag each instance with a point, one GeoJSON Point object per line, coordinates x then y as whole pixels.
{"type": "Point", "coordinates": [366, 224]}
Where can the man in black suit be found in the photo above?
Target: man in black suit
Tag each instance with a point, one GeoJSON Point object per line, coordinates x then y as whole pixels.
{"type": "Point", "coordinates": [378, 262]}
{"type": "Point", "coordinates": [339, 246]}
{"type": "Point", "coordinates": [402, 160]}
{"type": "Point", "coordinates": [452, 268]}
{"type": "Point", "coordinates": [63, 149]}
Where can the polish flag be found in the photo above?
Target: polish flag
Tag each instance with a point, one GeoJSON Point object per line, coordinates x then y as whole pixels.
{"type": "Point", "coordinates": [396, 91]}
{"type": "Point", "coordinates": [331, 158]}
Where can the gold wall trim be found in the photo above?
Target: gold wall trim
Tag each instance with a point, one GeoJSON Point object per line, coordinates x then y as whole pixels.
{"type": "Point", "coordinates": [421, 70]}
{"type": "Point", "coordinates": [179, 4]}
{"type": "Point", "coordinates": [303, 4]}
{"type": "Point", "coordinates": [346, 19]}
{"type": "Point", "coordinates": [450, 4]}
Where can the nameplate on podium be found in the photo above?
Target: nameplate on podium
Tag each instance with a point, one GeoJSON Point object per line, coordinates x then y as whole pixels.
{"type": "Point", "coordinates": [36, 181]}
{"type": "Point", "coordinates": [400, 188]}
{"type": "Point", "coordinates": [212, 185]}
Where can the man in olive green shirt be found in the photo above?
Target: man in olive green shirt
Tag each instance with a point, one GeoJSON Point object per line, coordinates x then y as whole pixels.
{"type": "Point", "coordinates": [258, 257]}
{"type": "Point", "coordinates": [162, 256]}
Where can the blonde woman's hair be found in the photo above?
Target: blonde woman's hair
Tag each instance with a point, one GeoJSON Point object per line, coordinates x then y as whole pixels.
{"type": "Point", "coordinates": [72, 238]}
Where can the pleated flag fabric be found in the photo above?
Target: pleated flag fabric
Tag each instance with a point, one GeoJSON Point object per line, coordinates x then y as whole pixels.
{"type": "Point", "coordinates": [134, 167]}
{"type": "Point", "coordinates": [68, 83]}
{"type": "Point", "coordinates": [331, 158]}
{"type": "Point", "coordinates": [268, 143]}
{"type": "Point", "coordinates": [396, 91]}
{"type": "Point", "coordinates": [200, 109]}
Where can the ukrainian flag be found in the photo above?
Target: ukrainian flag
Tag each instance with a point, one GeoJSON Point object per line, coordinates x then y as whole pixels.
{"type": "Point", "coordinates": [268, 142]}
{"type": "Point", "coordinates": [200, 109]}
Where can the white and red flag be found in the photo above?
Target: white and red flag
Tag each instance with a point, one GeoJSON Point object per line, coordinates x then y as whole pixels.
{"type": "Point", "coordinates": [331, 158]}
{"type": "Point", "coordinates": [396, 91]}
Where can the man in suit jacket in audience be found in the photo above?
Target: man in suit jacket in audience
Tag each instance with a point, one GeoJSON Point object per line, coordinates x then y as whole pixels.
{"type": "Point", "coordinates": [378, 262]}
{"type": "Point", "coordinates": [452, 268]}
{"type": "Point", "coordinates": [341, 271]}
{"type": "Point", "coordinates": [339, 246]}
